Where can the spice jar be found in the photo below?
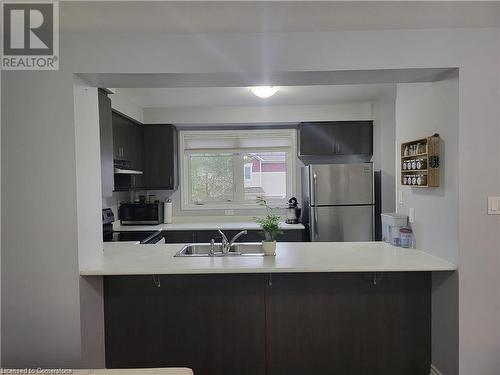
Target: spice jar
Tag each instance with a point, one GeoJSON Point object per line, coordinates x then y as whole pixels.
{"type": "Point", "coordinates": [422, 180]}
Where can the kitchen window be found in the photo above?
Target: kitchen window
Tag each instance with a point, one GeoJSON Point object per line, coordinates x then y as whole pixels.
{"type": "Point", "coordinates": [229, 169]}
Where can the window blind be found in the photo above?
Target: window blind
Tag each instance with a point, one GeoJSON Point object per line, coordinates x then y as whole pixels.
{"type": "Point", "coordinates": [236, 140]}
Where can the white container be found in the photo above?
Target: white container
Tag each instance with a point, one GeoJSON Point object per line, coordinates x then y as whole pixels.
{"type": "Point", "coordinates": [167, 212]}
{"type": "Point", "coordinates": [269, 248]}
{"type": "Point", "coordinates": [391, 224]}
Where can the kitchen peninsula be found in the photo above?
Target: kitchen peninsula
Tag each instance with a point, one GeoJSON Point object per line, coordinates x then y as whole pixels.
{"type": "Point", "coordinates": [313, 308]}
{"type": "Point", "coordinates": [129, 259]}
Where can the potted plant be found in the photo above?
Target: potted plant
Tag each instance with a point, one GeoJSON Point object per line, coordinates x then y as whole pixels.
{"type": "Point", "coordinates": [270, 228]}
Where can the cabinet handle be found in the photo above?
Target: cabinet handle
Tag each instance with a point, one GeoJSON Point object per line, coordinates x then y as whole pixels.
{"type": "Point", "coordinates": [338, 148]}
{"type": "Point", "coordinates": [156, 281]}
{"type": "Point", "coordinates": [333, 148]}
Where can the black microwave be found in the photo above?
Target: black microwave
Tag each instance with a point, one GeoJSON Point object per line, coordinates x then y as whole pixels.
{"type": "Point", "coordinates": [141, 213]}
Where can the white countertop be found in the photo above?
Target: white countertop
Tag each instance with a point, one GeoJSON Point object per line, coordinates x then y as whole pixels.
{"type": "Point", "coordinates": [204, 223]}
{"type": "Point", "coordinates": [127, 259]}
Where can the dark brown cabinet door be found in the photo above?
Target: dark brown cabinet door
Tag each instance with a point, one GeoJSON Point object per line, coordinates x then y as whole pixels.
{"type": "Point", "coordinates": [315, 138]}
{"type": "Point", "coordinates": [336, 138]}
{"type": "Point", "coordinates": [344, 324]}
{"type": "Point", "coordinates": [179, 236]}
{"type": "Point", "coordinates": [160, 157]}
{"type": "Point", "coordinates": [128, 146]}
{"type": "Point", "coordinates": [135, 145]}
{"type": "Point", "coordinates": [352, 138]}
{"type": "Point", "coordinates": [120, 136]}
{"type": "Point", "coordinates": [106, 144]}
{"type": "Point", "coordinates": [213, 324]}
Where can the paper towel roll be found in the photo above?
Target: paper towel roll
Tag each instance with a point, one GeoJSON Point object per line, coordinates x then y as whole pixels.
{"type": "Point", "coordinates": [167, 212]}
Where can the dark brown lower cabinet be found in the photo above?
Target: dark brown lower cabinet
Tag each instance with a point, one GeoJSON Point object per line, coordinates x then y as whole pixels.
{"type": "Point", "coordinates": [204, 236]}
{"type": "Point", "coordinates": [211, 324]}
{"type": "Point", "coordinates": [260, 324]}
{"type": "Point", "coordinates": [344, 324]}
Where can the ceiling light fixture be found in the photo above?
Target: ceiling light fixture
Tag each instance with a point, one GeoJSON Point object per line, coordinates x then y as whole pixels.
{"type": "Point", "coordinates": [264, 91]}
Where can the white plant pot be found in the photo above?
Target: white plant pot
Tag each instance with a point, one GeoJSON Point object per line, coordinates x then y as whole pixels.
{"type": "Point", "coordinates": [269, 247]}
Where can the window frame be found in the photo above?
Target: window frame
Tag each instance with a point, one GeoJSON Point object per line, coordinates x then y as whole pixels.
{"type": "Point", "coordinates": [238, 203]}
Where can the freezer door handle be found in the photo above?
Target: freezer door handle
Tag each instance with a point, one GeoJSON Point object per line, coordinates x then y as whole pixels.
{"type": "Point", "coordinates": [315, 214]}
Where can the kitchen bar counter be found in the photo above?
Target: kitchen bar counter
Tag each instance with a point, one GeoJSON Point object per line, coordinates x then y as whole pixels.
{"type": "Point", "coordinates": [128, 259]}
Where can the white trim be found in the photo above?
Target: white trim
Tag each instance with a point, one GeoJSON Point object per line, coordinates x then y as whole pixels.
{"type": "Point", "coordinates": [238, 197]}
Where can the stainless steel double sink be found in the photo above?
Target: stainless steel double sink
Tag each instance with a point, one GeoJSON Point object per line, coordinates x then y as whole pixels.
{"type": "Point", "coordinates": [215, 250]}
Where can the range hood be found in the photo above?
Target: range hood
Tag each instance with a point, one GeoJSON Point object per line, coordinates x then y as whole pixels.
{"type": "Point", "coordinates": [119, 170]}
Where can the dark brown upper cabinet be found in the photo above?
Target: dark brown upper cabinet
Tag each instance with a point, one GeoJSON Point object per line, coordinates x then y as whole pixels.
{"type": "Point", "coordinates": [127, 140]}
{"type": "Point", "coordinates": [335, 138]}
{"type": "Point", "coordinates": [160, 157]}
{"type": "Point", "coordinates": [128, 146]}
{"type": "Point", "coordinates": [106, 143]}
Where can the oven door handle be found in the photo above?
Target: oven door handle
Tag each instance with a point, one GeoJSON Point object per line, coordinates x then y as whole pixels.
{"type": "Point", "coordinates": [150, 237]}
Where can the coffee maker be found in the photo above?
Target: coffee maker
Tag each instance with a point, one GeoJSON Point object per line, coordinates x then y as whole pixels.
{"type": "Point", "coordinates": [293, 212]}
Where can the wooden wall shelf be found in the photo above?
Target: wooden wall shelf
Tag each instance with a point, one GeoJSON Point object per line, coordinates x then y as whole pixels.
{"type": "Point", "coordinates": [420, 161]}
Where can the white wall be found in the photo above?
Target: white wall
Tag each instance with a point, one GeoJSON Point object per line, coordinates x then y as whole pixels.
{"type": "Point", "coordinates": [42, 261]}
{"type": "Point", "coordinates": [423, 109]}
{"type": "Point", "coordinates": [88, 172]}
{"type": "Point", "coordinates": [0, 221]}
{"type": "Point", "coordinates": [254, 114]}
{"type": "Point", "coordinates": [40, 287]}
{"type": "Point", "coordinates": [123, 104]}
{"type": "Point", "coordinates": [498, 116]}
{"type": "Point", "coordinates": [384, 133]}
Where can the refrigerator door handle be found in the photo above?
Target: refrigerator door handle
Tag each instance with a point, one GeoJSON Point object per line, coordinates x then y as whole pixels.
{"type": "Point", "coordinates": [315, 189]}
{"type": "Point", "coordinates": [315, 198]}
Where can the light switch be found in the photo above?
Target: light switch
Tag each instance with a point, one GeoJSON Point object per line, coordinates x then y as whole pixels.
{"type": "Point", "coordinates": [411, 215]}
{"type": "Point", "coordinates": [400, 196]}
{"type": "Point", "coordinates": [493, 205]}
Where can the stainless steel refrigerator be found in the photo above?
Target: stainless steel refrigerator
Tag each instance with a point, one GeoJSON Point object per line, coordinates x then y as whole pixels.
{"type": "Point", "coordinates": [338, 202]}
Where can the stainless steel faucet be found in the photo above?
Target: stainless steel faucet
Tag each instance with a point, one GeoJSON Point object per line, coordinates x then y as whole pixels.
{"type": "Point", "coordinates": [226, 245]}
{"type": "Point", "coordinates": [224, 242]}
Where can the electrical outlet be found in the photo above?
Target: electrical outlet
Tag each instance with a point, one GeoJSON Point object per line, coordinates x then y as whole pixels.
{"type": "Point", "coordinates": [229, 212]}
{"type": "Point", "coordinates": [411, 215]}
{"type": "Point", "coordinates": [493, 205]}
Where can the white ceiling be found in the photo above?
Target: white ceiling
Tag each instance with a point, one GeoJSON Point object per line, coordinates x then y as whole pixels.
{"type": "Point", "coordinates": [277, 16]}
{"type": "Point", "coordinates": [241, 96]}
